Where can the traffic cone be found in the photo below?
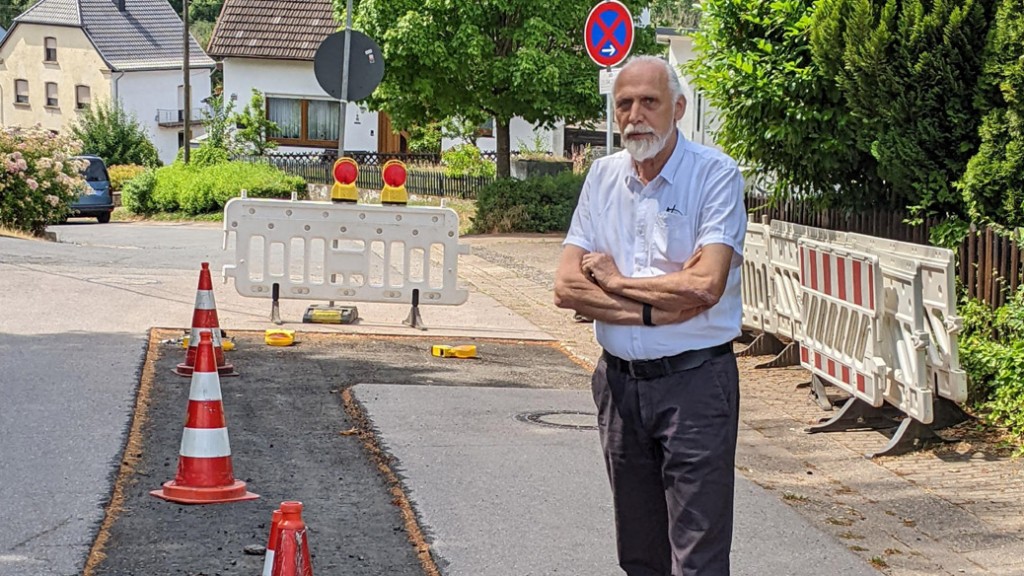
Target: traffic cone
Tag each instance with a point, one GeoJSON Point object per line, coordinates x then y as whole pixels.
{"type": "Point", "coordinates": [205, 474]}
{"type": "Point", "coordinates": [291, 555]}
{"type": "Point", "coordinates": [204, 319]}
{"type": "Point", "coordinates": [268, 559]}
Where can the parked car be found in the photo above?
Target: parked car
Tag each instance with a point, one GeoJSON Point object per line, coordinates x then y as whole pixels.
{"type": "Point", "coordinates": [96, 200]}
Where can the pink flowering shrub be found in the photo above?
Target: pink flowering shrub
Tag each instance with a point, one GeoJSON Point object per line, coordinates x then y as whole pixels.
{"type": "Point", "coordinates": [38, 178]}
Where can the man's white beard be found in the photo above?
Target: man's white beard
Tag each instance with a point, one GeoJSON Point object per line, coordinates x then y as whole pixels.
{"type": "Point", "coordinates": [644, 148]}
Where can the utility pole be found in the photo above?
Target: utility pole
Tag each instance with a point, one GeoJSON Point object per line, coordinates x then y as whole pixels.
{"type": "Point", "coordinates": [187, 87]}
{"type": "Point", "coordinates": [344, 79]}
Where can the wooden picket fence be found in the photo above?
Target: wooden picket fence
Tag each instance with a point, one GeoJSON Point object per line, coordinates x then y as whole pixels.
{"type": "Point", "coordinates": [989, 264]}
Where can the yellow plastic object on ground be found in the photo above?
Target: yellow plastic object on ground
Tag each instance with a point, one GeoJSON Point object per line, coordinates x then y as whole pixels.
{"type": "Point", "coordinates": [464, 351]}
{"type": "Point", "coordinates": [279, 337]}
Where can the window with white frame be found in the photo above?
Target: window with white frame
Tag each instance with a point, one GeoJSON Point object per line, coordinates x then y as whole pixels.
{"type": "Point", "coordinates": [83, 97]}
{"type": "Point", "coordinates": [51, 94]}
{"type": "Point", "coordinates": [21, 92]}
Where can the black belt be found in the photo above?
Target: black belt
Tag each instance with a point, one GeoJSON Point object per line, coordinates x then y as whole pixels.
{"type": "Point", "coordinates": [646, 369]}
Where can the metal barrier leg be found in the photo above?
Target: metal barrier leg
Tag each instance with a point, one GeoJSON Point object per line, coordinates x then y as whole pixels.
{"type": "Point", "coordinates": [763, 345]}
{"type": "Point", "coordinates": [947, 413]}
{"type": "Point", "coordinates": [414, 320]}
{"type": "Point", "coordinates": [789, 356]}
{"type": "Point", "coordinates": [819, 394]}
{"type": "Point", "coordinates": [857, 415]}
{"type": "Point", "coordinates": [746, 337]}
{"type": "Point", "coordinates": [910, 436]}
{"type": "Point", "coordinates": [275, 306]}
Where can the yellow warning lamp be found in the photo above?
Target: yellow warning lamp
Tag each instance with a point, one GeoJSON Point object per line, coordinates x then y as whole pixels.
{"type": "Point", "coordinates": [345, 173]}
{"type": "Point", "coordinates": [394, 175]}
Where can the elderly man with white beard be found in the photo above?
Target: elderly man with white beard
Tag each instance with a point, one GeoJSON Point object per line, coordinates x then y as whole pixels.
{"type": "Point", "coordinates": [653, 256]}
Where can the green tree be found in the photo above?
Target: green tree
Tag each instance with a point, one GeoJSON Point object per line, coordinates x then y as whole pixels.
{"type": "Point", "coordinates": [486, 59]}
{"type": "Point", "coordinates": [780, 112]}
{"type": "Point", "coordinates": [199, 10]}
{"type": "Point", "coordinates": [115, 135]}
{"type": "Point", "coordinates": [10, 9]}
{"type": "Point", "coordinates": [908, 71]}
{"type": "Point", "coordinates": [254, 128]}
{"type": "Point", "coordinates": [218, 119]}
{"type": "Point", "coordinates": [993, 185]}
{"type": "Point", "coordinates": [425, 139]}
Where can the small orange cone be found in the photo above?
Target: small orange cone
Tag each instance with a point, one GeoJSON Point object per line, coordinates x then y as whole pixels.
{"type": "Point", "coordinates": [204, 319]}
{"type": "Point", "coordinates": [205, 474]}
{"type": "Point", "coordinates": [275, 529]}
{"type": "Point", "coordinates": [291, 554]}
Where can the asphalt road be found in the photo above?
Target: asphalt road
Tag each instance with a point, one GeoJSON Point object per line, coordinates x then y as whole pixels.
{"type": "Point", "coordinates": [74, 318]}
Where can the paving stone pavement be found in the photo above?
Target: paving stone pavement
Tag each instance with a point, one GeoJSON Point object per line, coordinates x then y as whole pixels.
{"type": "Point", "coordinates": [958, 509]}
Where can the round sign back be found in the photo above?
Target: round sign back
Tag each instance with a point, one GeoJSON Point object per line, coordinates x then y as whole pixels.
{"type": "Point", "coordinates": [365, 68]}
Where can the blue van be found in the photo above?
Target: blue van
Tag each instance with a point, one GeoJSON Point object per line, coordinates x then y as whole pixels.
{"type": "Point", "coordinates": [96, 200]}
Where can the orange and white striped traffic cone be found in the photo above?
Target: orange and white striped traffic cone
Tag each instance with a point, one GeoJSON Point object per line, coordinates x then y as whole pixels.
{"type": "Point", "coordinates": [291, 554]}
{"type": "Point", "coordinates": [204, 319]}
{"type": "Point", "coordinates": [205, 474]}
{"type": "Point", "coordinates": [268, 559]}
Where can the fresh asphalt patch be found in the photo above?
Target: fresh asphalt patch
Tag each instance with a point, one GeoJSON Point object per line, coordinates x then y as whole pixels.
{"type": "Point", "coordinates": [291, 439]}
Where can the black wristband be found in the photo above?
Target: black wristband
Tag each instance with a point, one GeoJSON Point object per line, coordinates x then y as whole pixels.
{"type": "Point", "coordinates": [647, 315]}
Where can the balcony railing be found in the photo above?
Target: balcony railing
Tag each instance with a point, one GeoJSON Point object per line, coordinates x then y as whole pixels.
{"type": "Point", "coordinates": [172, 118]}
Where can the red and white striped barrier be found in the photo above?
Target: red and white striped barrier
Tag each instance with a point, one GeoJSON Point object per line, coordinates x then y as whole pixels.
{"type": "Point", "coordinates": [842, 334]}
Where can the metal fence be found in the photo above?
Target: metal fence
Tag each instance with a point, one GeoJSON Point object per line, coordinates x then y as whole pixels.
{"type": "Point", "coordinates": [425, 175]}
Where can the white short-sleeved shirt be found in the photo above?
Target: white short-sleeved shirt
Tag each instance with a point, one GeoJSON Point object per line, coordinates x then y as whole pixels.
{"type": "Point", "coordinates": [651, 230]}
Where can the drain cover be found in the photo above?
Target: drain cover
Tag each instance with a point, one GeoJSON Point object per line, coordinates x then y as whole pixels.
{"type": "Point", "coordinates": [565, 419]}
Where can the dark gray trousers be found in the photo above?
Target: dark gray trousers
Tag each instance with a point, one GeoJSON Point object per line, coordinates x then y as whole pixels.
{"type": "Point", "coordinates": [670, 449]}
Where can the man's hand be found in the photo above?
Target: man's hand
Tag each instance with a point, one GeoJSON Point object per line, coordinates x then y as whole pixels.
{"type": "Point", "coordinates": [601, 269]}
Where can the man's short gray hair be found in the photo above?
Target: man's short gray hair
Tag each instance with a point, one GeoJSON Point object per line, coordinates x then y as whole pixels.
{"type": "Point", "coordinates": [674, 86]}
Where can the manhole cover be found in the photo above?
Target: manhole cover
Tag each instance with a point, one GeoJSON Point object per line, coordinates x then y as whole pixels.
{"type": "Point", "coordinates": [566, 419]}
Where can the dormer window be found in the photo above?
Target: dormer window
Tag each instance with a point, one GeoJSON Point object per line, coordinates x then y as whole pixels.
{"type": "Point", "coordinates": [51, 49]}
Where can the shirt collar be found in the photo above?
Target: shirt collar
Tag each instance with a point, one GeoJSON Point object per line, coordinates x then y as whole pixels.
{"type": "Point", "coordinates": [668, 171]}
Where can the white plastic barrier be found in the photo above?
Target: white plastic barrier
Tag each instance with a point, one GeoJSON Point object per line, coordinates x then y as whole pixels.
{"type": "Point", "coordinates": [938, 283]}
{"type": "Point", "coordinates": [784, 256]}
{"type": "Point", "coordinates": [348, 252]}
{"type": "Point", "coordinates": [758, 312]}
{"type": "Point", "coordinates": [842, 328]}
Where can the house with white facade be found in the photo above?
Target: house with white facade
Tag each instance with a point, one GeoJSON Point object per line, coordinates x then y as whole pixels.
{"type": "Point", "coordinates": [60, 56]}
{"type": "Point", "coordinates": [269, 46]}
{"type": "Point", "coordinates": [700, 119]}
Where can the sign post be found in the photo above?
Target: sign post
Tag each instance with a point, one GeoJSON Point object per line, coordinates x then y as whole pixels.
{"type": "Point", "coordinates": [608, 37]}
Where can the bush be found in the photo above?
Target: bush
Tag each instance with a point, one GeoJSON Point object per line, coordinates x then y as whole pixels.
{"type": "Point", "coordinates": [115, 135]}
{"type": "Point", "coordinates": [120, 175]}
{"type": "Point", "coordinates": [543, 204]}
{"type": "Point", "coordinates": [38, 178]}
{"type": "Point", "coordinates": [194, 189]}
{"type": "Point", "coordinates": [466, 160]}
{"type": "Point", "coordinates": [137, 195]}
{"type": "Point", "coordinates": [992, 353]}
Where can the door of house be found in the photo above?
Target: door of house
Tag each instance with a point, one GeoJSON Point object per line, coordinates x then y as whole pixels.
{"type": "Point", "coordinates": [388, 142]}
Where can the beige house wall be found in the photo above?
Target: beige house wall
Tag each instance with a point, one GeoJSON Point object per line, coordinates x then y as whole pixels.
{"type": "Point", "coordinates": [22, 58]}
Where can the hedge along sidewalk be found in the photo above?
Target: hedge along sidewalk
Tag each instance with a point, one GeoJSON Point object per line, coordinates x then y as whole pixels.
{"type": "Point", "coordinates": [954, 510]}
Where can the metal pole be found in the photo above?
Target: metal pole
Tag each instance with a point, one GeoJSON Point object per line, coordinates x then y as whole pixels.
{"type": "Point", "coordinates": [609, 138]}
{"type": "Point", "coordinates": [187, 87]}
{"type": "Point", "coordinates": [344, 79]}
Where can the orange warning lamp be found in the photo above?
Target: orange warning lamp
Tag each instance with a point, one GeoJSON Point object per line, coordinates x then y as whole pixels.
{"type": "Point", "coordinates": [394, 175]}
{"type": "Point", "coordinates": [345, 173]}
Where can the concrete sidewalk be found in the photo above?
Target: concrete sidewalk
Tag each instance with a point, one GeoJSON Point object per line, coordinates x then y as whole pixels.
{"type": "Point", "coordinates": [957, 509]}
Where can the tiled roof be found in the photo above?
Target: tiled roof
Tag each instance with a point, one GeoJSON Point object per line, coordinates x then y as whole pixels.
{"type": "Point", "coordinates": [60, 12]}
{"type": "Point", "coordinates": [146, 36]}
{"type": "Point", "coordinates": [279, 29]}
